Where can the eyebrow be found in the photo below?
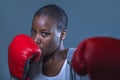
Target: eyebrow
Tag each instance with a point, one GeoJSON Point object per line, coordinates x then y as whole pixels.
{"type": "Point", "coordinates": [39, 30]}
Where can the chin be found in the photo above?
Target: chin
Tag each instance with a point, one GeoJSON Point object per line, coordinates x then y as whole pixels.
{"type": "Point", "coordinates": [44, 53]}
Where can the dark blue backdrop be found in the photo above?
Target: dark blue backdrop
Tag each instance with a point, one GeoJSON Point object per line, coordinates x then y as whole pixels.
{"type": "Point", "coordinates": [87, 18]}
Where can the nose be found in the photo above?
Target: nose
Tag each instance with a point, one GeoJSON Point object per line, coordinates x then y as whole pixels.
{"type": "Point", "coordinates": [37, 39]}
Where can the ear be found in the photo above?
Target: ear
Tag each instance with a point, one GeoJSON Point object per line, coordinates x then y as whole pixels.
{"type": "Point", "coordinates": [63, 34]}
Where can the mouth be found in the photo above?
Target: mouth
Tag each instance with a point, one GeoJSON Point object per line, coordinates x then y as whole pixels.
{"type": "Point", "coordinates": [40, 47]}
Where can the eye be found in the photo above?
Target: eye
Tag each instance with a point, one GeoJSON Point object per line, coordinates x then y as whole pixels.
{"type": "Point", "coordinates": [33, 32]}
{"type": "Point", "coordinates": [45, 34]}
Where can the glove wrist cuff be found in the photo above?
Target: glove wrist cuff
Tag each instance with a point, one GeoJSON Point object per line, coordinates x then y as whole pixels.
{"type": "Point", "coordinates": [13, 78]}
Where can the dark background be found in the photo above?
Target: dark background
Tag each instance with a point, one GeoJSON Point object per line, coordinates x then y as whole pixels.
{"type": "Point", "coordinates": [87, 18]}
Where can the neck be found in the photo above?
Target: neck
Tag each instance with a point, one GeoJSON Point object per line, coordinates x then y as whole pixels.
{"type": "Point", "coordinates": [58, 53]}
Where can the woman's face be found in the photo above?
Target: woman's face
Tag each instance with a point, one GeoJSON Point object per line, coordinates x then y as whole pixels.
{"type": "Point", "coordinates": [45, 33]}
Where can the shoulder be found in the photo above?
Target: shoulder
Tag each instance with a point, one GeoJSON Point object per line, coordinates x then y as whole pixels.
{"type": "Point", "coordinates": [74, 75]}
{"type": "Point", "coordinates": [70, 54]}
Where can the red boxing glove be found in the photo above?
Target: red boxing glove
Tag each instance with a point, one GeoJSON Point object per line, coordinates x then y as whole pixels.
{"type": "Point", "coordinates": [21, 50]}
{"type": "Point", "coordinates": [99, 57]}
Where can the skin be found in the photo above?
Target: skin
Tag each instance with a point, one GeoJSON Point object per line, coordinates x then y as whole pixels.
{"type": "Point", "coordinates": [45, 33]}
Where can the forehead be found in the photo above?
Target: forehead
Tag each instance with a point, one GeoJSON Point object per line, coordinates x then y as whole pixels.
{"type": "Point", "coordinates": [43, 22]}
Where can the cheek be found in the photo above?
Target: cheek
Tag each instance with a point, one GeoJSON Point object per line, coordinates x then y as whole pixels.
{"type": "Point", "coordinates": [50, 44]}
